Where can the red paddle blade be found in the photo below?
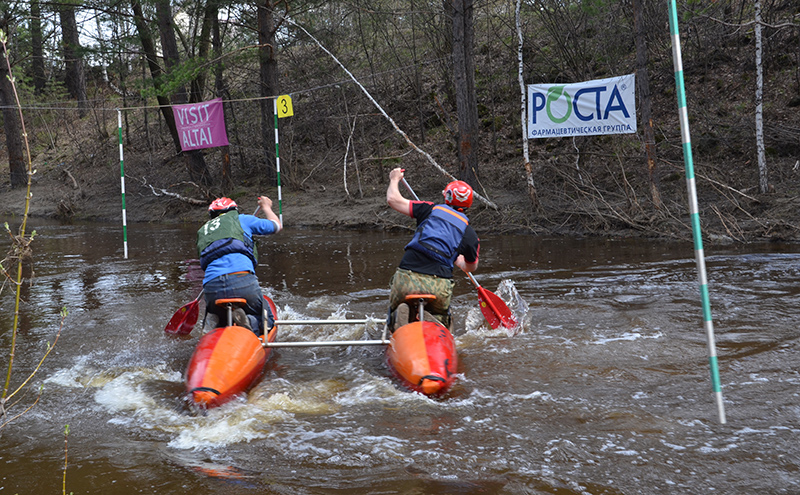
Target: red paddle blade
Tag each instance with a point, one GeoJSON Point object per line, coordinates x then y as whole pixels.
{"type": "Point", "coordinates": [183, 321]}
{"type": "Point", "coordinates": [495, 310]}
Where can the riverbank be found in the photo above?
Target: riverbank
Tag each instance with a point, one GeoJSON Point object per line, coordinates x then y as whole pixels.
{"type": "Point", "coordinates": [80, 191]}
{"type": "Point", "coordinates": [741, 217]}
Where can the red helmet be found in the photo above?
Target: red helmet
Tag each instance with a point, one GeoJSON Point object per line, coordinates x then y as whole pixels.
{"type": "Point", "coordinates": [458, 194]}
{"type": "Point", "coordinates": [221, 205]}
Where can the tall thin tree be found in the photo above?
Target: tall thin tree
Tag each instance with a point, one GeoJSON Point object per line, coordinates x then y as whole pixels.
{"type": "Point", "coordinates": [464, 81]}
{"type": "Point", "coordinates": [203, 49]}
{"type": "Point", "coordinates": [526, 160]}
{"type": "Point", "coordinates": [645, 101]}
{"type": "Point", "coordinates": [195, 161]}
{"type": "Point", "coordinates": [156, 73]}
{"type": "Point", "coordinates": [11, 122]}
{"type": "Point", "coordinates": [763, 178]}
{"type": "Point", "coordinates": [268, 75]}
{"type": "Point", "coordinates": [75, 77]}
{"type": "Point", "coordinates": [220, 90]}
{"type": "Point", "coordinates": [37, 48]}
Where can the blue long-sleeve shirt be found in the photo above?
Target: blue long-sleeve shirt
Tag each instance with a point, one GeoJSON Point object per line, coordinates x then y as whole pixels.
{"type": "Point", "coordinates": [237, 262]}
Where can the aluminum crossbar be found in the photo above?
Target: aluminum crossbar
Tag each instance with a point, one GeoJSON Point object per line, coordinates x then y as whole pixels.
{"type": "Point", "coordinates": [327, 343]}
{"type": "Point", "coordinates": [326, 322]}
{"type": "Point", "coordinates": [330, 343]}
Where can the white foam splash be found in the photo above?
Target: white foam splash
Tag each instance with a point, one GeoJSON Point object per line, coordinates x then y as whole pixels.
{"type": "Point", "coordinates": [626, 336]}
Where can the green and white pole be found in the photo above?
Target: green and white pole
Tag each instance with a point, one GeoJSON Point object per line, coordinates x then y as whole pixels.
{"type": "Point", "coordinates": [277, 159]}
{"type": "Point", "coordinates": [122, 184]}
{"type": "Point", "coordinates": [694, 210]}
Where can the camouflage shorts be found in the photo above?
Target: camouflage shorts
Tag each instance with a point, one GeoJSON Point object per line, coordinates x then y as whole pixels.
{"type": "Point", "coordinates": [406, 282]}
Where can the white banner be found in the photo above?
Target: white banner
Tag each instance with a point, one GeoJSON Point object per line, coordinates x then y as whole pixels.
{"type": "Point", "coordinates": [603, 106]}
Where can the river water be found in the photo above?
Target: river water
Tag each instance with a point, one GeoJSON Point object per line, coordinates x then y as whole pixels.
{"type": "Point", "coordinates": [604, 388]}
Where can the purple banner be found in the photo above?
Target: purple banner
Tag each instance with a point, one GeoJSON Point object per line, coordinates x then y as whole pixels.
{"type": "Point", "coordinates": [201, 125]}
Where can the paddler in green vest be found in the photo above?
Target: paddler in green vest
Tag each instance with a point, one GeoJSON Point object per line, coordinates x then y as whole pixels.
{"type": "Point", "coordinates": [229, 257]}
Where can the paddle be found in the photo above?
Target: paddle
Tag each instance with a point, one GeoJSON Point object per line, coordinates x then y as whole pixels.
{"type": "Point", "coordinates": [493, 308]}
{"type": "Point", "coordinates": [183, 321]}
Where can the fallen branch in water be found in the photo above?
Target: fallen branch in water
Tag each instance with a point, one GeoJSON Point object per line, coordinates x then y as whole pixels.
{"type": "Point", "coordinates": [163, 192]}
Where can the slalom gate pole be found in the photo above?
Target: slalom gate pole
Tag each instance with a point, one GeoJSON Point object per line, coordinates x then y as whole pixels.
{"type": "Point", "coordinates": [693, 209]}
{"type": "Point", "coordinates": [122, 184]}
{"type": "Point", "coordinates": [277, 159]}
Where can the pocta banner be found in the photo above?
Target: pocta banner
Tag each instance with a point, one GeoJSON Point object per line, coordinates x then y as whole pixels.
{"type": "Point", "coordinates": [602, 106]}
{"type": "Point", "coordinates": [201, 125]}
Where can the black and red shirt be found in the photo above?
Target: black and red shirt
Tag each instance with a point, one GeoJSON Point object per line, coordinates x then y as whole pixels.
{"type": "Point", "coordinates": [418, 262]}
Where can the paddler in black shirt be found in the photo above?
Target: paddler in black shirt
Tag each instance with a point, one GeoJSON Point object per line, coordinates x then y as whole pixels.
{"type": "Point", "coordinates": [443, 239]}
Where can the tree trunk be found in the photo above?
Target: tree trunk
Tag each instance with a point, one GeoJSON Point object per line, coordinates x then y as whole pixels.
{"type": "Point", "coordinates": [643, 85]}
{"type": "Point", "coordinates": [216, 44]}
{"type": "Point", "coordinates": [195, 161]}
{"type": "Point", "coordinates": [199, 82]}
{"type": "Point", "coordinates": [417, 77]}
{"type": "Point", "coordinates": [11, 123]}
{"type": "Point", "coordinates": [534, 197]}
{"type": "Point", "coordinates": [268, 73]}
{"type": "Point", "coordinates": [37, 50]}
{"type": "Point", "coordinates": [464, 82]}
{"type": "Point", "coordinates": [149, 48]}
{"type": "Point", "coordinates": [219, 91]}
{"type": "Point", "coordinates": [73, 58]}
{"type": "Point", "coordinates": [122, 65]}
{"type": "Point", "coordinates": [763, 179]}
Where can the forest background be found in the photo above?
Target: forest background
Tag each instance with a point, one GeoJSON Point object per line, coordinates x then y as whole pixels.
{"type": "Point", "coordinates": [447, 74]}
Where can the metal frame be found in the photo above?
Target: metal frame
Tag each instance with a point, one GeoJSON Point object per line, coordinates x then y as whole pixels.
{"type": "Point", "coordinates": [330, 343]}
{"type": "Point", "coordinates": [384, 340]}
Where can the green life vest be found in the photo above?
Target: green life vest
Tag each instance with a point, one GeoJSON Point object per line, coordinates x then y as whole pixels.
{"type": "Point", "coordinates": [224, 235]}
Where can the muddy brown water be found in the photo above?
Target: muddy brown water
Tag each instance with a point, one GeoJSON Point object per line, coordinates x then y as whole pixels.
{"type": "Point", "coordinates": [604, 389]}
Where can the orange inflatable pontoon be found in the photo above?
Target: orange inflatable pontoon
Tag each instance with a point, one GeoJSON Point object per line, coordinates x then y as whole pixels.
{"type": "Point", "coordinates": [226, 362]}
{"type": "Point", "coordinates": [422, 355]}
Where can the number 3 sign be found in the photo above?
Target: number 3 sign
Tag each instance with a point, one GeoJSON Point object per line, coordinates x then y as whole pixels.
{"type": "Point", "coordinates": [284, 105]}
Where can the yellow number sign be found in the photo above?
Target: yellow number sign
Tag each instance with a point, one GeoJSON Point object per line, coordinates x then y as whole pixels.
{"type": "Point", "coordinates": [285, 106]}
